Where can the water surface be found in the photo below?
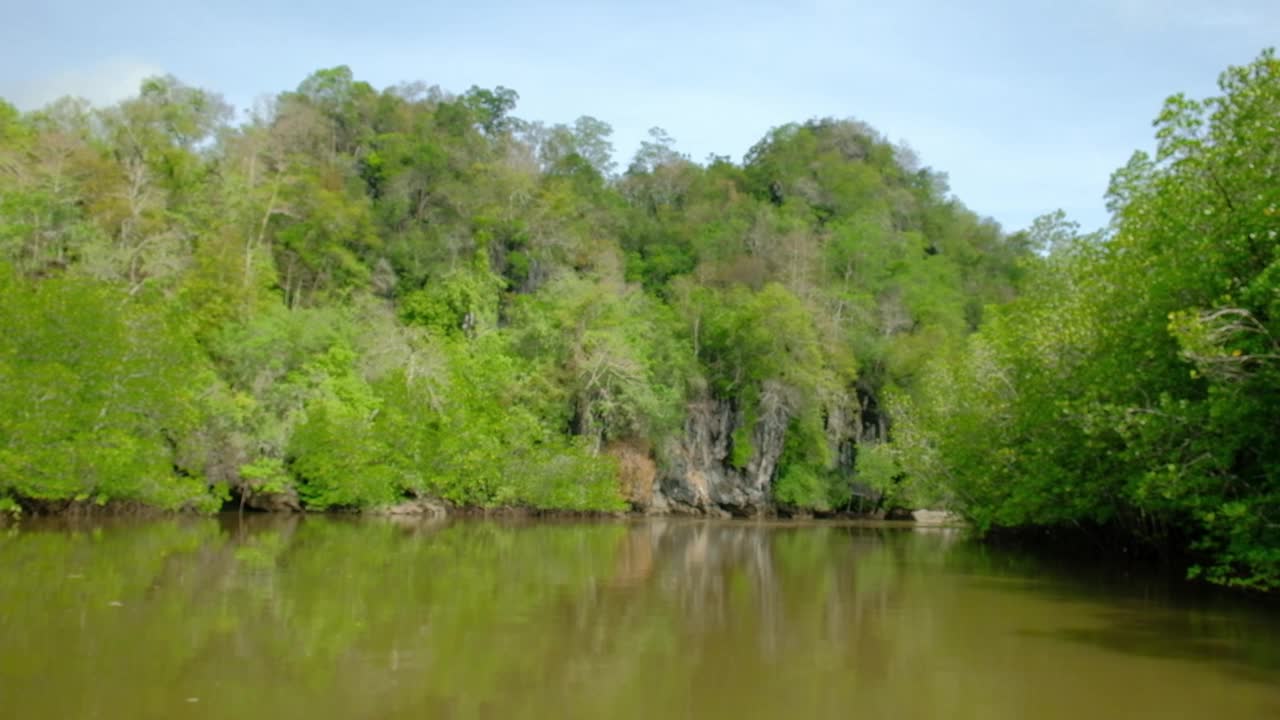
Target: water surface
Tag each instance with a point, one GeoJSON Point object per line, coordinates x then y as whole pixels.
{"type": "Point", "coordinates": [317, 618]}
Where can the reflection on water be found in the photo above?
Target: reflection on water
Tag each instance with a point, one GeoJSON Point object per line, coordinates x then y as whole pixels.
{"type": "Point", "coordinates": [281, 617]}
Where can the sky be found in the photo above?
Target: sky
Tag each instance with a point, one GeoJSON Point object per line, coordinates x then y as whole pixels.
{"type": "Point", "coordinates": [1027, 106]}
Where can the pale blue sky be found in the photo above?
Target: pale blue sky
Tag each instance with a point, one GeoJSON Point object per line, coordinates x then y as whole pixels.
{"type": "Point", "coordinates": [1028, 106]}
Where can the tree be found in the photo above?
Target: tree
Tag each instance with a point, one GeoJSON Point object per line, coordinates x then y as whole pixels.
{"type": "Point", "coordinates": [1135, 385]}
{"type": "Point", "coordinates": [98, 399]}
{"type": "Point", "coordinates": [493, 108]}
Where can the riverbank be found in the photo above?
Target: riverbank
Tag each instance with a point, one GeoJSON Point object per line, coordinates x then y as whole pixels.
{"type": "Point", "coordinates": [437, 508]}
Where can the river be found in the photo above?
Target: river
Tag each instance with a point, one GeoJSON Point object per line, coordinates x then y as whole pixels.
{"type": "Point", "coordinates": [323, 617]}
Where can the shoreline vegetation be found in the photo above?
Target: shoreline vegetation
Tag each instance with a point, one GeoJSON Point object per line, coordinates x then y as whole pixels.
{"type": "Point", "coordinates": [433, 508]}
{"type": "Point", "coordinates": [359, 298]}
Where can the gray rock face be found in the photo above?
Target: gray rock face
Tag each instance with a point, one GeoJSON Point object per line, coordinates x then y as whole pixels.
{"type": "Point", "coordinates": [425, 507]}
{"type": "Point", "coordinates": [936, 518]}
{"type": "Point", "coordinates": [287, 501]}
{"type": "Point", "coordinates": [701, 477]}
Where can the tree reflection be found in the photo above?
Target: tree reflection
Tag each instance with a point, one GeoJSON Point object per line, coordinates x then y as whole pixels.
{"type": "Point", "coordinates": [286, 616]}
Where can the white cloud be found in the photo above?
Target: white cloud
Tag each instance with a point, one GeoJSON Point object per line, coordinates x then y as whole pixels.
{"type": "Point", "coordinates": [101, 83]}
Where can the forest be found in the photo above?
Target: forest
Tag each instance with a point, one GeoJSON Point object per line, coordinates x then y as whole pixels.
{"type": "Point", "coordinates": [351, 298]}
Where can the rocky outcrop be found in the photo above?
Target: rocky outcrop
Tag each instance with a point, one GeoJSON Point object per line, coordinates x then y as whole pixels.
{"type": "Point", "coordinates": [936, 518]}
{"type": "Point", "coordinates": [415, 507]}
{"type": "Point", "coordinates": [701, 477]}
{"type": "Point", "coordinates": [285, 501]}
{"type": "Point", "coordinates": [637, 474]}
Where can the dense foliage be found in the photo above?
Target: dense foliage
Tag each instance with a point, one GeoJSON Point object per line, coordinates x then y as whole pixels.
{"type": "Point", "coordinates": [1136, 383]}
{"type": "Point", "coordinates": [361, 296]}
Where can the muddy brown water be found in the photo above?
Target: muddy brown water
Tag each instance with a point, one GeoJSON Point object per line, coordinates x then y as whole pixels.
{"type": "Point", "coordinates": [320, 617]}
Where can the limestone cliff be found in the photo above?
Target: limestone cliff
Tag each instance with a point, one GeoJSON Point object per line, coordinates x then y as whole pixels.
{"type": "Point", "coordinates": [699, 475]}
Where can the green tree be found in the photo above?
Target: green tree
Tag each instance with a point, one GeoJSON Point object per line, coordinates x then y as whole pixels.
{"type": "Point", "coordinates": [1134, 385]}
{"type": "Point", "coordinates": [98, 399]}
